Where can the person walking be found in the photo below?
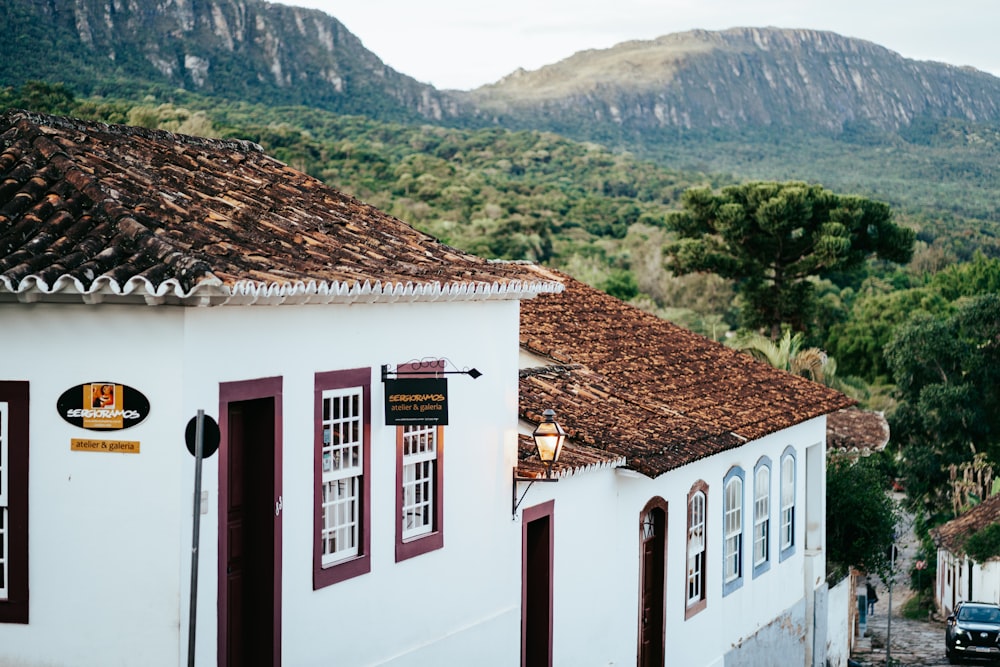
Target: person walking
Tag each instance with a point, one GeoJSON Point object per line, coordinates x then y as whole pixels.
{"type": "Point", "coordinates": [872, 596]}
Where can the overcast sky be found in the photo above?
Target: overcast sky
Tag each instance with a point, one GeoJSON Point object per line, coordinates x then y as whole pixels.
{"type": "Point", "coordinates": [463, 44]}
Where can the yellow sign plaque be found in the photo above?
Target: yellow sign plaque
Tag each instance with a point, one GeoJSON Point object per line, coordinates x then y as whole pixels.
{"type": "Point", "coordinates": [106, 446]}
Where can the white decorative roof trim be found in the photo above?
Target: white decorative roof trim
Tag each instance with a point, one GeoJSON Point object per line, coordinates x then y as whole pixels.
{"type": "Point", "coordinates": [602, 465]}
{"type": "Point", "coordinates": [212, 291]}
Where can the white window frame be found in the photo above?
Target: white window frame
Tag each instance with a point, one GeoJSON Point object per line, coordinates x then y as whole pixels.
{"type": "Point", "coordinates": [733, 551]}
{"type": "Point", "coordinates": [787, 541]}
{"type": "Point", "coordinates": [342, 466]}
{"type": "Point", "coordinates": [761, 516]}
{"type": "Point", "coordinates": [420, 453]}
{"type": "Point", "coordinates": [696, 548]}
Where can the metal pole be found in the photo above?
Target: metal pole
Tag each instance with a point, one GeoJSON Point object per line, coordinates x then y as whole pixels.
{"type": "Point", "coordinates": [888, 630]}
{"type": "Point", "coordinates": [198, 438]}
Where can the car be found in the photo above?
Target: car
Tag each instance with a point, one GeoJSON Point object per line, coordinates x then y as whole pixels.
{"type": "Point", "coordinates": [973, 631]}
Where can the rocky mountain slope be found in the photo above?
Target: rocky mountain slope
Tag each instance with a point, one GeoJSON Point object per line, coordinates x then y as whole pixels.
{"type": "Point", "coordinates": [274, 54]}
{"type": "Point", "coordinates": [740, 78]}
{"type": "Point", "coordinates": [239, 49]}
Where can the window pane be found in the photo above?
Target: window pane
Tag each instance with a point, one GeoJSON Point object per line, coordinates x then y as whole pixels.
{"type": "Point", "coordinates": [734, 527]}
{"type": "Point", "coordinates": [787, 530]}
{"type": "Point", "coordinates": [696, 548]}
{"type": "Point", "coordinates": [419, 479]}
{"type": "Point", "coordinates": [340, 524]}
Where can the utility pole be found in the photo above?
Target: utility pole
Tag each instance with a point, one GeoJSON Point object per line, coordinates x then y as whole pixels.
{"type": "Point", "coordinates": [888, 627]}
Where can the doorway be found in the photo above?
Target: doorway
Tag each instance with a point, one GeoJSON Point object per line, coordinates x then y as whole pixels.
{"type": "Point", "coordinates": [536, 585]}
{"type": "Point", "coordinates": [250, 523]}
{"type": "Point", "coordinates": [653, 539]}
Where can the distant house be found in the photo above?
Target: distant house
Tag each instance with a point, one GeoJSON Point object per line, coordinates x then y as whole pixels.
{"type": "Point", "coordinates": [853, 432]}
{"type": "Point", "coordinates": [959, 577]}
{"type": "Point", "coordinates": [188, 274]}
{"type": "Point", "coordinates": [689, 522]}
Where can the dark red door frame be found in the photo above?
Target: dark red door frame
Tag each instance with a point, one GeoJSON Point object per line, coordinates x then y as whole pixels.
{"type": "Point", "coordinates": [233, 392]}
{"type": "Point", "coordinates": [652, 584]}
{"type": "Point", "coordinates": [537, 549]}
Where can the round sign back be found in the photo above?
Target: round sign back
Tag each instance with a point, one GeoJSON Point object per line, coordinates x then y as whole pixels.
{"type": "Point", "coordinates": [210, 436]}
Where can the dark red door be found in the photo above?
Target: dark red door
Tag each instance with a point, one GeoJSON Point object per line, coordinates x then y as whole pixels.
{"type": "Point", "coordinates": [651, 606]}
{"type": "Point", "coordinates": [536, 586]}
{"type": "Point", "coordinates": [249, 595]}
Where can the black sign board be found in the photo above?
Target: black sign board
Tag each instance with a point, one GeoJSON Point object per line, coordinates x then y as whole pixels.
{"type": "Point", "coordinates": [411, 401]}
{"type": "Point", "coordinates": [103, 406]}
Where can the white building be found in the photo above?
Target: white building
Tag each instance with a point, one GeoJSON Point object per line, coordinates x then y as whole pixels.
{"type": "Point", "coordinates": [959, 577]}
{"type": "Point", "coordinates": [172, 274]}
{"type": "Point", "coordinates": [700, 536]}
{"type": "Point", "coordinates": [201, 274]}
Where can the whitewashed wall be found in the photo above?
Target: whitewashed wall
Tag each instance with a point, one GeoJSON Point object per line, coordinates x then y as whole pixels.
{"type": "Point", "coordinates": [839, 623]}
{"type": "Point", "coordinates": [110, 534]}
{"type": "Point", "coordinates": [104, 561]}
{"type": "Point", "coordinates": [597, 556]}
{"type": "Point", "coordinates": [985, 581]}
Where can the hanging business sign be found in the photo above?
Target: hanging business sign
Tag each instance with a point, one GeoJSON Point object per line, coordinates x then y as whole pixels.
{"type": "Point", "coordinates": [103, 406]}
{"type": "Point", "coordinates": [422, 401]}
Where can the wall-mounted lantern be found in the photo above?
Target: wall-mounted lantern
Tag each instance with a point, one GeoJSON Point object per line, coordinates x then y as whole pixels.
{"type": "Point", "coordinates": [549, 437]}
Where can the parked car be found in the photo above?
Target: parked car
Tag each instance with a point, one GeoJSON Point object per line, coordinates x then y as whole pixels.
{"type": "Point", "coordinates": [972, 631]}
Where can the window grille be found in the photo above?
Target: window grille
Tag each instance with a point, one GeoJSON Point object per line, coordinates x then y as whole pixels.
{"type": "Point", "coordinates": [419, 468]}
{"type": "Point", "coordinates": [696, 548]}
{"type": "Point", "coordinates": [734, 530]}
{"type": "Point", "coordinates": [787, 502]}
{"type": "Point", "coordinates": [342, 468]}
{"type": "Point", "coordinates": [761, 514]}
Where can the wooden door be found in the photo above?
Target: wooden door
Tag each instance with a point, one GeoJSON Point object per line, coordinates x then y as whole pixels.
{"type": "Point", "coordinates": [250, 532]}
{"type": "Point", "coordinates": [651, 604]}
{"type": "Point", "coordinates": [536, 586]}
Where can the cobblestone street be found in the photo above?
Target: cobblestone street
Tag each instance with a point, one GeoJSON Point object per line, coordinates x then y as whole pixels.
{"type": "Point", "coordinates": [913, 643]}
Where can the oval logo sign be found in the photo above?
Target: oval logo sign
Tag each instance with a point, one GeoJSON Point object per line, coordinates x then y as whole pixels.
{"type": "Point", "coordinates": [103, 406]}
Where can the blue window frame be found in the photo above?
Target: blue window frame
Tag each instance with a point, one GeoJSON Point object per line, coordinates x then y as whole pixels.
{"type": "Point", "coordinates": [732, 530]}
{"type": "Point", "coordinates": [762, 516]}
{"type": "Point", "coordinates": [786, 531]}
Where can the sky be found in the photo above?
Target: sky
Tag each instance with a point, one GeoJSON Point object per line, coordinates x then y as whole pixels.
{"type": "Point", "coordinates": [463, 44]}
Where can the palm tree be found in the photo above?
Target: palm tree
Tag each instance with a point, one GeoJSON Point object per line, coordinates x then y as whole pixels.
{"type": "Point", "coordinates": [789, 354]}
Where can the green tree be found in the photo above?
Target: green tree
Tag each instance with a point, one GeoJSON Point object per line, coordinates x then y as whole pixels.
{"type": "Point", "coordinates": [621, 284]}
{"type": "Point", "coordinates": [947, 374]}
{"type": "Point", "coordinates": [861, 516]}
{"type": "Point", "coordinates": [858, 342]}
{"type": "Point", "coordinates": [772, 238]}
{"type": "Point", "coordinates": [984, 544]}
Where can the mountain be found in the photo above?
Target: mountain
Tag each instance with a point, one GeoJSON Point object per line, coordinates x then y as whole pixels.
{"type": "Point", "coordinates": [737, 79]}
{"type": "Point", "coordinates": [748, 103]}
{"type": "Point", "coordinates": [251, 50]}
{"type": "Point", "coordinates": [238, 49]}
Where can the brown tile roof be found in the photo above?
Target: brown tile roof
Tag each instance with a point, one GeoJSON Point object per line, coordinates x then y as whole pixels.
{"type": "Point", "coordinates": [103, 210]}
{"type": "Point", "coordinates": [854, 431]}
{"type": "Point", "coordinates": [651, 437]}
{"type": "Point", "coordinates": [640, 386]}
{"type": "Point", "coordinates": [952, 535]}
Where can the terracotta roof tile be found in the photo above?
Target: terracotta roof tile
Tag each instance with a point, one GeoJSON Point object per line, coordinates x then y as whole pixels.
{"type": "Point", "coordinates": [661, 395]}
{"type": "Point", "coordinates": [856, 431]}
{"type": "Point", "coordinates": [575, 457]}
{"type": "Point", "coordinates": [952, 535]}
{"type": "Point", "coordinates": [648, 434]}
{"type": "Point", "coordinates": [104, 209]}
